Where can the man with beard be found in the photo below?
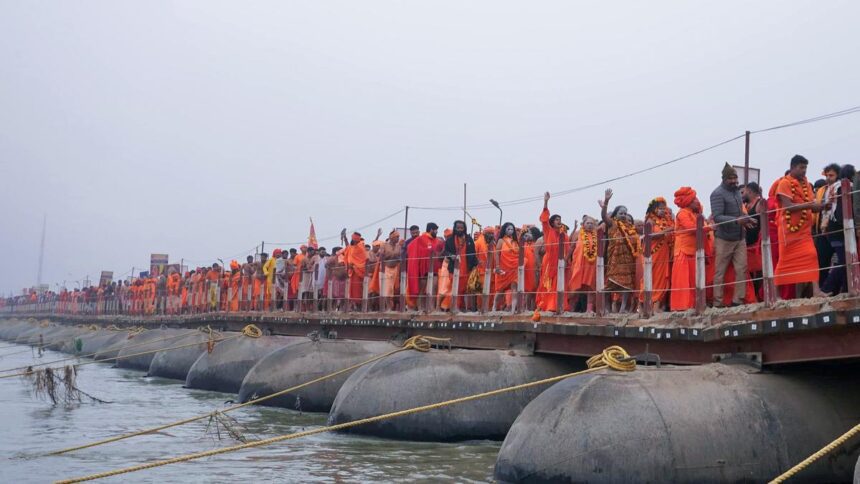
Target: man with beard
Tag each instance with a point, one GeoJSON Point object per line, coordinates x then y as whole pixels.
{"type": "Point", "coordinates": [389, 257]}
{"type": "Point", "coordinates": [418, 265]}
{"type": "Point", "coordinates": [460, 247]}
{"type": "Point", "coordinates": [337, 274]}
{"type": "Point", "coordinates": [798, 259]}
{"type": "Point", "coordinates": [731, 220]}
{"type": "Point", "coordinates": [355, 258]}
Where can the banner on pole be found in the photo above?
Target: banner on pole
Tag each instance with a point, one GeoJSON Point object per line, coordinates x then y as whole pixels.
{"type": "Point", "coordinates": [157, 264]}
{"type": "Point", "coordinates": [105, 278]}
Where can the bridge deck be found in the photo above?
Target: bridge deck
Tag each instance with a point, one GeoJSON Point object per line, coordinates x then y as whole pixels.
{"type": "Point", "coordinates": [792, 331]}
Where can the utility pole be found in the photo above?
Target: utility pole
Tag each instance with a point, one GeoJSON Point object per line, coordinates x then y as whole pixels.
{"type": "Point", "coordinates": [747, 158]}
{"type": "Point", "coordinates": [41, 251]}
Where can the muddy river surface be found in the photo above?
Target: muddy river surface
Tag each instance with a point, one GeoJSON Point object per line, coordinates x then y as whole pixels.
{"type": "Point", "coordinates": [31, 426]}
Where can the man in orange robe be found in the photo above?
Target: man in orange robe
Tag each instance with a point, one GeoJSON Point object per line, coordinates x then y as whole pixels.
{"type": "Point", "coordinates": [418, 253]}
{"type": "Point", "coordinates": [173, 282]}
{"type": "Point", "coordinates": [212, 288]}
{"type": "Point", "coordinates": [296, 278]}
{"type": "Point", "coordinates": [355, 257]}
{"type": "Point", "coordinates": [798, 259]}
{"type": "Point", "coordinates": [200, 289]}
{"type": "Point", "coordinates": [507, 263]}
{"type": "Point", "coordinates": [373, 263]}
{"type": "Point", "coordinates": [151, 294]}
{"type": "Point", "coordinates": [186, 282]}
{"type": "Point", "coordinates": [235, 285]}
{"type": "Point", "coordinates": [583, 275]}
{"type": "Point", "coordinates": [483, 242]}
{"type": "Point", "coordinates": [554, 240]}
{"type": "Point", "coordinates": [683, 294]}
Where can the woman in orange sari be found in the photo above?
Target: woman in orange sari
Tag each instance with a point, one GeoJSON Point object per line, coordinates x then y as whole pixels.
{"type": "Point", "coordinates": [662, 244]}
{"type": "Point", "coordinates": [583, 276]}
{"type": "Point", "coordinates": [622, 250]}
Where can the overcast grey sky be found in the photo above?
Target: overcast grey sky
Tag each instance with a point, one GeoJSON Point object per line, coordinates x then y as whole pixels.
{"type": "Point", "coordinates": [199, 129]}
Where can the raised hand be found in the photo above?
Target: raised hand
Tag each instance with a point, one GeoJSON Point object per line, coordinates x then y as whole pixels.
{"type": "Point", "coordinates": [545, 197]}
{"type": "Point", "coordinates": [607, 195]}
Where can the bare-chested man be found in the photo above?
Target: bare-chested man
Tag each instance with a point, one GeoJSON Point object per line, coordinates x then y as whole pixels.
{"type": "Point", "coordinates": [336, 269]}
{"type": "Point", "coordinates": [390, 256]}
{"type": "Point", "coordinates": [306, 285]}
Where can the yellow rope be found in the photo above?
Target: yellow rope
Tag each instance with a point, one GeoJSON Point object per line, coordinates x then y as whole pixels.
{"type": "Point", "coordinates": [116, 346]}
{"type": "Point", "coordinates": [43, 345]}
{"type": "Point", "coordinates": [252, 331]}
{"type": "Point", "coordinates": [814, 457]}
{"type": "Point", "coordinates": [418, 343]}
{"type": "Point", "coordinates": [613, 357]}
{"type": "Point", "coordinates": [142, 353]}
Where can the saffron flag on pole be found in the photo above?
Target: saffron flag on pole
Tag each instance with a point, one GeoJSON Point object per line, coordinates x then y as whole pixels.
{"type": "Point", "coordinates": [312, 236]}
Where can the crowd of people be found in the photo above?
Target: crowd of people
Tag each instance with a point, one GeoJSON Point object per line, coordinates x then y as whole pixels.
{"type": "Point", "coordinates": [547, 267]}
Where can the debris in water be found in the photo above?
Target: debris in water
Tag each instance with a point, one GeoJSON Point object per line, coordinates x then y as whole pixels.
{"type": "Point", "coordinates": [63, 389]}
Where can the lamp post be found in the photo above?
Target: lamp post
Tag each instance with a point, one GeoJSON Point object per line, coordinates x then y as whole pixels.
{"type": "Point", "coordinates": [496, 204]}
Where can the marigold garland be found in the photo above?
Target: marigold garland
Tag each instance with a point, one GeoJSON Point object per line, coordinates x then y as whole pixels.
{"type": "Point", "coordinates": [588, 239]}
{"type": "Point", "coordinates": [805, 197]}
{"type": "Point", "coordinates": [631, 237]}
{"type": "Point", "coordinates": [660, 224]}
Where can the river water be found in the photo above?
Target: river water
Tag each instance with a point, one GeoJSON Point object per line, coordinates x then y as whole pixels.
{"type": "Point", "coordinates": [30, 426]}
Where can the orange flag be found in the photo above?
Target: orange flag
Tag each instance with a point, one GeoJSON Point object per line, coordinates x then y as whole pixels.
{"type": "Point", "coordinates": [312, 236]}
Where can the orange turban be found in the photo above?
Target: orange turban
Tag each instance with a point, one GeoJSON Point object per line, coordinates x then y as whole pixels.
{"type": "Point", "coordinates": [489, 230]}
{"type": "Point", "coordinates": [684, 196]}
{"type": "Point", "coordinates": [234, 265]}
{"type": "Point", "coordinates": [276, 252]}
{"type": "Point", "coordinates": [447, 232]}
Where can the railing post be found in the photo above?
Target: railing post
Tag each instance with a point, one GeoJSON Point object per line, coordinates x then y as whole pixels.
{"type": "Point", "coordinates": [403, 282]}
{"type": "Point", "coordinates": [431, 280]}
{"type": "Point", "coordinates": [700, 264]}
{"type": "Point", "coordinates": [329, 294]}
{"type": "Point", "coordinates": [647, 273]}
{"type": "Point", "coordinates": [488, 278]}
{"type": "Point", "coordinates": [365, 285]}
{"type": "Point", "coordinates": [518, 301]}
{"type": "Point", "coordinates": [852, 272]}
{"type": "Point", "coordinates": [383, 284]}
{"type": "Point", "coordinates": [300, 294]}
{"type": "Point", "coordinates": [314, 292]}
{"type": "Point", "coordinates": [600, 277]}
{"type": "Point", "coordinates": [559, 280]}
{"type": "Point", "coordinates": [261, 297]}
{"type": "Point", "coordinates": [768, 288]}
{"type": "Point", "coordinates": [455, 286]}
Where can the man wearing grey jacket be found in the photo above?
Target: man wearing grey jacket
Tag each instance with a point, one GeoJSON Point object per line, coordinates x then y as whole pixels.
{"type": "Point", "coordinates": [727, 209]}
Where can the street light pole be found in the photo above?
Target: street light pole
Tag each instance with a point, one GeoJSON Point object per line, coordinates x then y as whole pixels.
{"type": "Point", "coordinates": [496, 204]}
